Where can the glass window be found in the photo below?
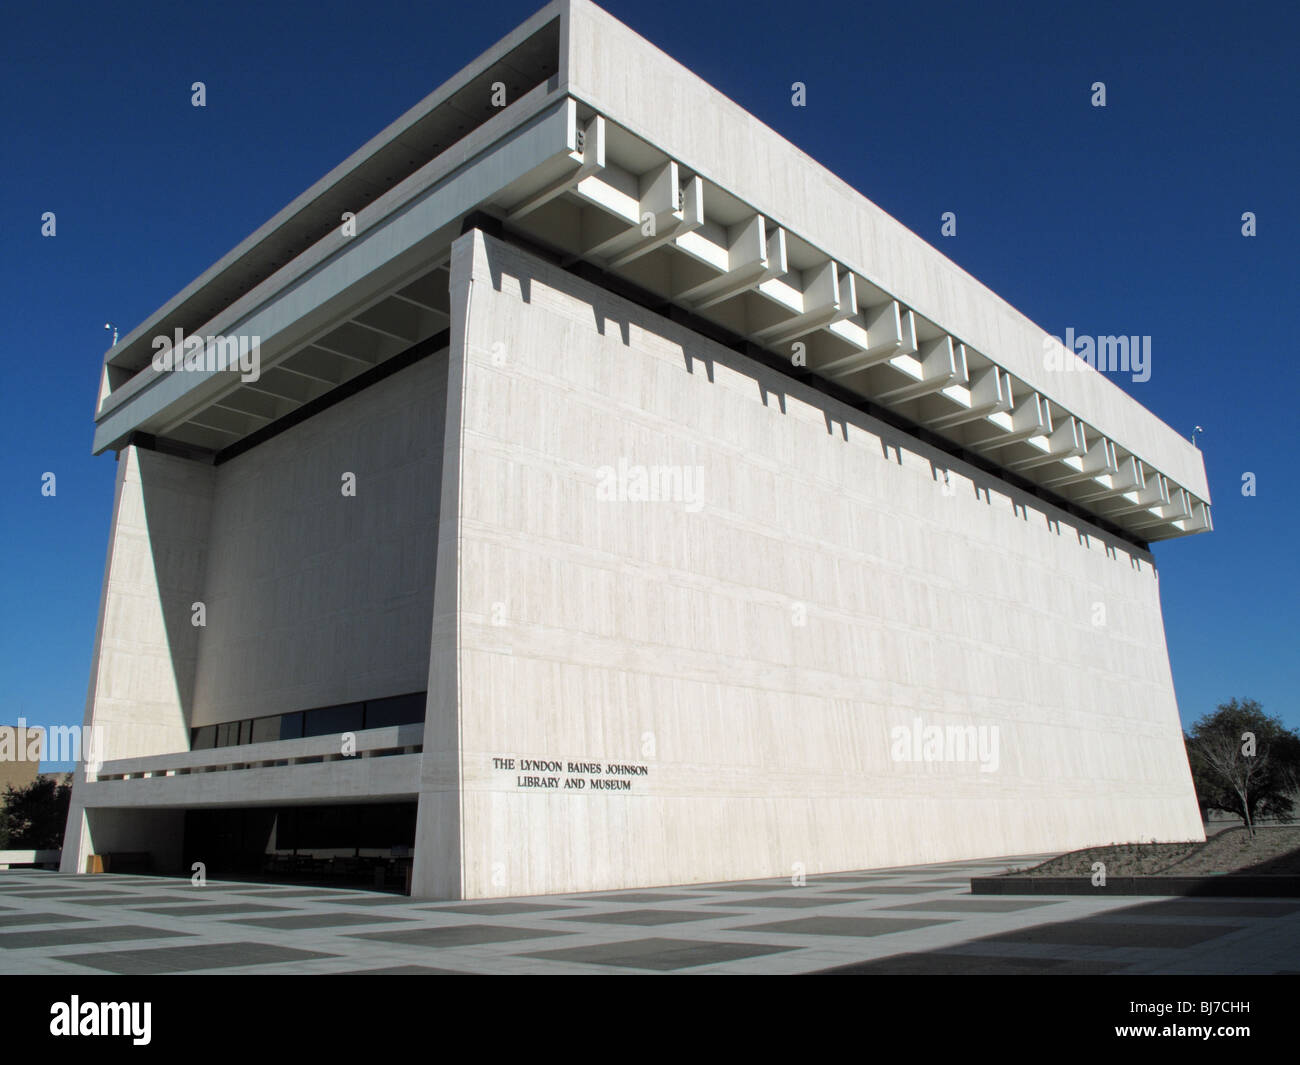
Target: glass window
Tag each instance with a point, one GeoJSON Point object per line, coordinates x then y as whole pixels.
{"type": "Point", "coordinates": [322, 721]}
{"type": "Point", "coordinates": [332, 719]}
{"type": "Point", "coordinates": [399, 710]}
{"type": "Point", "coordinates": [265, 729]}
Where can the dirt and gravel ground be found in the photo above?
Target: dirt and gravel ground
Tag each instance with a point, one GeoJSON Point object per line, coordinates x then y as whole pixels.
{"type": "Point", "coordinates": [1275, 850]}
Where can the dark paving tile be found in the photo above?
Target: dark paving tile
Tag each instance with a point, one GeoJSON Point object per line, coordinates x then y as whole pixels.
{"type": "Point", "coordinates": [663, 955]}
{"type": "Point", "coordinates": [317, 920]}
{"type": "Point", "coordinates": [499, 909]}
{"type": "Point", "coordinates": [939, 963]}
{"type": "Point", "coordinates": [9, 920]}
{"type": "Point", "coordinates": [766, 885]}
{"type": "Point", "coordinates": [208, 909]}
{"type": "Point", "coordinates": [844, 878]}
{"type": "Point", "coordinates": [892, 889]}
{"type": "Point", "coordinates": [68, 893]}
{"type": "Point", "coordinates": [330, 896]}
{"type": "Point", "coordinates": [645, 917]}
{"type": "Point", "coordinates": [113, 880]}
{"type": "Point", "coordinates": [466, 935]}
{"type": "Point", "coordinates": [843, 926]}
{"type": "Point", "coordinates": [371, 900]}
{"type": "Point", "coordinates": [115, 899]}
{"type": "Point", "coordinates": [63, 937]}
{"type": "Point", "coordinates": [128, 899]}
{"type": "Point", "coordinates": [368, 899]}
{"type": "Point", "coordinates": [637, 896]}
{"type": "Point", "coordinates": [191, 958]}
{"type": "Point", "coordinates": [407, 970]}
{"type": "Point", "coordinates": [1210, 908]}
{"type": "Point", "coordinates": [966, 904]}
{"type": "Point", "coordinates": [1109, 933]}
{"type": "Point", "coordinates": [289, 893]}
{"type": "Point", "coordinates": [926, 876]}
{"type": "Point", "coordinates": [792, 900]}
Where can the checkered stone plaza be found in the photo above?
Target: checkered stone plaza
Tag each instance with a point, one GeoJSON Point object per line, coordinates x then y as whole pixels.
{"type": "Point", "coordinates": [895, 921]}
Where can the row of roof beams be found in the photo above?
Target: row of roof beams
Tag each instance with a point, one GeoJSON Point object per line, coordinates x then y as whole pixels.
{"type": "Point", "coordinates": [728, 262]}
{"type": "Point", "coordinates": [843, 328]}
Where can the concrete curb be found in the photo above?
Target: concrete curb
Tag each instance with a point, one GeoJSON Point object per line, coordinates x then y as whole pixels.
{"type": "Point", "coordinates": [1224, 885]}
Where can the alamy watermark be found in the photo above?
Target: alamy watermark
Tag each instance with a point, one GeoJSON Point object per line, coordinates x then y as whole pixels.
{"type": "Point", "coordinates": [632, 483]}
{"type": "Point", "coordinates": [1109, 354]}
{"type": "Point", "coordinates": [946, 743]}
{"type": "Point", "coordinates": [60, 743]}
{"type": "Point", "coordinates": [77, 1018]}
{"type": "Point", "coordinates": [242, 354]}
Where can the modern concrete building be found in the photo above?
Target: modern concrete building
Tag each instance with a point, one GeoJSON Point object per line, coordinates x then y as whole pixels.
{"type": "Point", "coordinates": [618, 498]}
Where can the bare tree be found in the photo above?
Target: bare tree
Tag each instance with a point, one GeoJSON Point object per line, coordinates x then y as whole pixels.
{"type": "Point", "coordinates": [1244, 761]}
{"type": "Point", "coordinates": [1237, 764]}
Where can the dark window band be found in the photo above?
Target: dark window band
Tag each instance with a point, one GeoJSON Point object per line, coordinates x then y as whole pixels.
{"type": "Point", "coordinates": [319, 721]}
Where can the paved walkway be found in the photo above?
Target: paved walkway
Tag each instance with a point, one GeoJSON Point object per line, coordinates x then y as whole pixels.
{"type": "Point", "coordinates": [914, 920]}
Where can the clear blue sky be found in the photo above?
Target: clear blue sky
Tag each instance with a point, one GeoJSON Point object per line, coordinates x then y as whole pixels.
{"type": "Point", "coordinates": [1122, 220]}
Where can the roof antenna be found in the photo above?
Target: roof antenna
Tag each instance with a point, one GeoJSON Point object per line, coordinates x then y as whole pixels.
{"type": "Point", "coordinates": [110, 325]}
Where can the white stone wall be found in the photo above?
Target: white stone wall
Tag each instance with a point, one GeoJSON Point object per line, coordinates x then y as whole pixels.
{"type": "Point", "coordinates": [142, 672]}
{"type": "Point", "coordinates": [660, 634]}
{"type": "Point", "coordinates": [312, 597]}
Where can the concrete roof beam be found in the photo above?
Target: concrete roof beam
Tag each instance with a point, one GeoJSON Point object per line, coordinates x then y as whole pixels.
{"type": "Point", "coordinates": [939, 365]}
{"type": "Point", "coordinates": [1065, 441]}
{"type": "Point", "coordinates": [989, 393]}
{"type": "Point", "coordinates": [1179, 508]}
{"type": "Point", "coordinates": [1128, 477]}
{"type": "Point", "coordinates": [826, 295]}
{"type": "Point", "coordinates": [685, 218]}
{"type": "Point", "coordinates": [1199, 520]}
{"type": "Point", "coordinates": [650, 209]}
{"type": "Point", "coordinates": [1153, 493]}
{"type": "Point", "coordinates": [891, 331]}
{"type": "Point", "coordinates": [1098, 461]}
{"type": "Point", "coordinates": [1031, 417]}
{"type": "Point", "coordinates": [588, 157]}
{"type": "Point", "coordinates": [754, 253]}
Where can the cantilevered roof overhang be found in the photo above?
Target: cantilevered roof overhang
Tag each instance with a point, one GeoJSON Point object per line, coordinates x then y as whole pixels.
{"type": "Point", "coordinates": [698, 206]}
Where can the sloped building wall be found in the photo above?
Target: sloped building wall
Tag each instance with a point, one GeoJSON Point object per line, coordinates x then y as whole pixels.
{"type": "Point", "coordinates": [745, 675]}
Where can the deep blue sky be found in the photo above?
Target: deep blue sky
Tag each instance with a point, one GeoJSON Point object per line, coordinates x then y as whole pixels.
{"type": "Point", "coordinates": [1123, 220]}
